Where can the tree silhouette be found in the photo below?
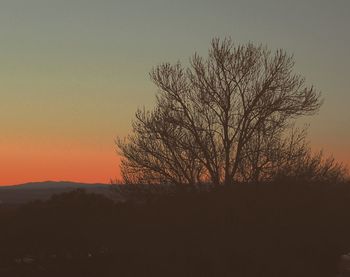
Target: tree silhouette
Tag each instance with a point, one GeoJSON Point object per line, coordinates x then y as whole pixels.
{"type": "Point", "coordinates": [223, 119]}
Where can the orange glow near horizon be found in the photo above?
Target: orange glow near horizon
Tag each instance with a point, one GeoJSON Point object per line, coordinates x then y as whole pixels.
{"type": "Point", "coordinates": [63, 161]}
{"type": "Point", "coordinates": [34, 163]}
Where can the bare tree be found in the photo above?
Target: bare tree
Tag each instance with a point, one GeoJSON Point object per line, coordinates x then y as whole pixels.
{"type": "Point", "coordinates": [287, 155]}
{"type": "Point", "coordinates": [223, 119]}
{"type": "Point", "coordinates": [314, 167]}
{"type": "Point", "coordinates": [156, 152]}
{"type": "Point", "coordinates": [268, 153]}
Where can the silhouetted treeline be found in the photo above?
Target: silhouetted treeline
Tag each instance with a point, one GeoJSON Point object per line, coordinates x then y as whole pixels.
{"type": "Point", "coordinates": [276, 229]}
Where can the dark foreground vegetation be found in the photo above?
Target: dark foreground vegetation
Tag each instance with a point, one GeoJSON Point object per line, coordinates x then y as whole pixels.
{"type": "Point", "coordinates": [281, 229]}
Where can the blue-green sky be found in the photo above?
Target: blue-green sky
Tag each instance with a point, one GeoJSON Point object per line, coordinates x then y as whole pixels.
{"type": "Point", "coordinates": [72, 73]}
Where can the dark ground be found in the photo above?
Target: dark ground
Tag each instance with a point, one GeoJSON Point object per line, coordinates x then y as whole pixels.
{"type": "Point", "coordinates": [284, 229]}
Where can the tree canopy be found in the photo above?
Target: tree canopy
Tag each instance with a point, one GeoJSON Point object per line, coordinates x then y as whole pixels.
{"type": "Point", "coordinates": [223, 119]}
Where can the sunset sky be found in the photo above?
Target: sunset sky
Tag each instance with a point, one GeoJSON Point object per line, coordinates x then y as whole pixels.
{"type": "Point", "coordinates": [73, 72]}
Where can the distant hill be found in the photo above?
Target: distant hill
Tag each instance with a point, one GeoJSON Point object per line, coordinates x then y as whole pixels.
{"type": "Point", "coordinates": [53, 185]}
{"type": "Point", "coordinates": [18, 194]}
{"type": "Point", "coordinates": [22, 193]}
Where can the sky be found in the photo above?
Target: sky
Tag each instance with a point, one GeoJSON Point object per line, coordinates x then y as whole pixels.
{"type": "Point", "coordinates": [73, 72]}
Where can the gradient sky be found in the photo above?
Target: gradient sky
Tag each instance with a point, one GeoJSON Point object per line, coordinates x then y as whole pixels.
{"type": "Point", "coordinates": [73, 72]}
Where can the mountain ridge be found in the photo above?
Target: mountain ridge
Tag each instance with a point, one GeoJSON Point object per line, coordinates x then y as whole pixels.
{"type": "Point", "coordinates": [53, 184]}
{"type": "Point", "coordinates": [26, 192]}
